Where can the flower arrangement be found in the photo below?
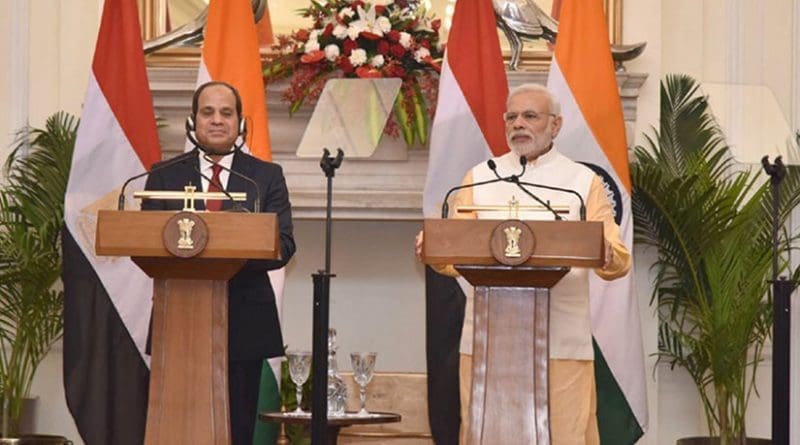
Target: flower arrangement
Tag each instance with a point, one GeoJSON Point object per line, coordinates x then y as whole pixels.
{"type": "Point", "coordinates": [362, 39]}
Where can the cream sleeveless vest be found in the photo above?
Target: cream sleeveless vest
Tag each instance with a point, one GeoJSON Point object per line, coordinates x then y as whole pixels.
{"type": "Point", "coordinates": [570, 324]}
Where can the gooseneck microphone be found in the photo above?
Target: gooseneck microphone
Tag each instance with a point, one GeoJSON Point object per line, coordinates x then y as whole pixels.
{"type": "Point", "coordinates": [515, 180]}
{"type": "Point", "coordinates": [176, 160]}
{"type": "Point", "coordinates": [492, 166]}
{"type": "Point", "coordinates": [257, 201]}
{"type": "Point", "coordinates": [582, 208]}
{"type": "Point", "coordinates": [236, 206]}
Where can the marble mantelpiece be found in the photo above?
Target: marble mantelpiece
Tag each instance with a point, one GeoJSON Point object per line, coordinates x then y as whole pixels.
{"type": "Point", "coordinates": [387, 186]}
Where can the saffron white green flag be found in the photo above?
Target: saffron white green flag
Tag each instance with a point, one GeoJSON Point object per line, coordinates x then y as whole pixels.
{"type": "Point", "coordinates": [582, 77]}
{"type": "Point", "coordinates": [231, 54]}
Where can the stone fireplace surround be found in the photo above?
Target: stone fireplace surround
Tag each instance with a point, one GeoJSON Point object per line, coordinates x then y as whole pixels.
{"type": "Point", "coordinates": [387, 186]}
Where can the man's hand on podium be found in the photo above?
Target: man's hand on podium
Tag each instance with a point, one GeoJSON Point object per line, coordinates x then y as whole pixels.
{"type": "Point", "coordinates": [418, 246]}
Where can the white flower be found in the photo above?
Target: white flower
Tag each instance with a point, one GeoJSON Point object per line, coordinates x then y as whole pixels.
{"type": "Point", "coordinates": [340, 32]}
{"type": "Point", "coordinates": [377, 61]}
{"type": "Point", "coordinates": [421, 54]}
{"type": "Point", "coordinates": [331, 52]}
{"type": "Point", "coordinates": [313, 35]}
{"type": "Point", "coordinates": [311, 45]}
{"type": "Point", "coordinates": [347, 12]}
{"type": "Point", "coordinates": [405, 40]}
{"type": "Point", "coordinates": [355, 28]}
{"type": "Point", "coordinates": [383, 24]}
{"type": "Point", "coordinates": [358, 57]}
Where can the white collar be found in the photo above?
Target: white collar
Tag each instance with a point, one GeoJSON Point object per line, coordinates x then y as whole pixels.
{"type": "Point", "coordinates": [205, 164]}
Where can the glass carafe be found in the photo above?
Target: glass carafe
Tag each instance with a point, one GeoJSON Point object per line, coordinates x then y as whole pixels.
{"type": "Point", "coordinates": [337, 388]}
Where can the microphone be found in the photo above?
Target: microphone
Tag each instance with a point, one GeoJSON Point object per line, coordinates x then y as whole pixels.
{"type": "Point", "coordinates": [492, 166]}
{"type": "Point", "coordinates": [236, 206]}
{"type": "Point", "coordinates": [515, 179]}
{"type": "Point", "coordinates": [582, 208]}
{"type": "Point", "coordinates": [176, 160]}
{"type": "Point", "coordinates": [257, 202]}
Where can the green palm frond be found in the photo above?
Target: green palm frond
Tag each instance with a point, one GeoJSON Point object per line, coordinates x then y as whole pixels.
{"type": "Point", "coordinates": [710, 221]}
{"type": "Point", "coordinates": [31, 216]}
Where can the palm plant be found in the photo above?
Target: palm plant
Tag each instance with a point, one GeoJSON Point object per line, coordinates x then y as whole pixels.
{"type": "Point", "coordinates": [31, 215]}
{"type": "Point", "coordinates": [710, 221]}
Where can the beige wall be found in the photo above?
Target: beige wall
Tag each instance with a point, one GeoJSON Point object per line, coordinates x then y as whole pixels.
{"type": "Point", "coordinates": [5, 80]}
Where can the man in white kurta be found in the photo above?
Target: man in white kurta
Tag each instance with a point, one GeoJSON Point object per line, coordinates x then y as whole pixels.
{"type": "Point", "coordinates": [532, 122]}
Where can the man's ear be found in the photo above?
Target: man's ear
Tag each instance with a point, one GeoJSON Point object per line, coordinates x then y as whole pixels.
{"type": "Point", "coordinates": [557, 121]}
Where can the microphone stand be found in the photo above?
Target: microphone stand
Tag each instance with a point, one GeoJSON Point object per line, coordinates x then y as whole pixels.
{"type": "Point", "coordinates": [781, 316]}
{"type": "Point", "coordinates": [322, 288]}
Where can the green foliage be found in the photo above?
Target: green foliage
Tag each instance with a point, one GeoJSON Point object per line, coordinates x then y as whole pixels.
{"type": "Point", "coordinates": [31, 215]}
{"type": "Point", "coordinates": [710, 221]}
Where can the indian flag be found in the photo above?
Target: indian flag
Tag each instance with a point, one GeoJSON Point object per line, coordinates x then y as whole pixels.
{"type": "Point", "coordinates": [231, 54]}
{"type": "Point", "coordinates": [582, 77]}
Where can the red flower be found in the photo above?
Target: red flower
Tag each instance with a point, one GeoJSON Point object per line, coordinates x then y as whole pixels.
{"type": "Point", "coordinates": [436, 24]}
{"type": "Point", "coordinates": [380, 9]}
{"type": "Point", "coordinates": [425, 44]}
{"type": "Point", "coordinates": [397, 50]}
{"type": "Point", "coordinates": [302, 35]}
{"type": "Point", "coordinates": [429, 60]}
{"type": "Point", "coordinates": [395, 70]}
{"type": "Point", "coordinates": [312, 57]}
{"type": "Point", "coordinates": [367, 72]}
{"type": "Point", "coordinates": [328, 31]}
{"type": "Point", "coordinates": [401, 3]}
{"type": "Point", "coordinates": [383, 47]}
{"type": "Point", "coordinates": [393, 36]}
{"type": "Point", "coordinates": [369, 36]}
{"type": "Point", "coordinates": [345, 65]}
{"type": "Point", "coordinates": [349, 45]}
{"type": "Point", "coordinates": [356, 4]}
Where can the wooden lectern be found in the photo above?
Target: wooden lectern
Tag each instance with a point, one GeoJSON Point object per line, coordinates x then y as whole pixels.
{"type": "Point", "coordinates": [189, 363]}
{"type": "Point", "coordinates": [509, 402]}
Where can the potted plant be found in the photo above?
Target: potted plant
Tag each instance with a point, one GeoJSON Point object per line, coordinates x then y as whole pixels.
{"type": "Point", "coordinates": [709, 220]}
{"type": "Point", "coordinates": [31, 215]}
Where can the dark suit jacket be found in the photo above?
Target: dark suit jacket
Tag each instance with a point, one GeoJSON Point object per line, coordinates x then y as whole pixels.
{"type": "Point", "coordinates": [254, 331]}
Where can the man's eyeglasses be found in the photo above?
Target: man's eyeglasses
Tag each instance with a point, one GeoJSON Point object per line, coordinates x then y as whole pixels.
{"type": "Point", "coordinates": [529, 116]}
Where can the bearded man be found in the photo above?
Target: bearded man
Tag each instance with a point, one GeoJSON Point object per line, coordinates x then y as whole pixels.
{"type": "Point", "coordinates": [532, 120]}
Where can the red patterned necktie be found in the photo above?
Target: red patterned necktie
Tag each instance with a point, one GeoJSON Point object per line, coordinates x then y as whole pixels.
{"type": "Point", "coordinates": [214, 205]}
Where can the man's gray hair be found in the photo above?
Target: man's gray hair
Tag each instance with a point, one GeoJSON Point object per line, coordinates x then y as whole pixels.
{"type": "Point", "coordinates": [555, 106]}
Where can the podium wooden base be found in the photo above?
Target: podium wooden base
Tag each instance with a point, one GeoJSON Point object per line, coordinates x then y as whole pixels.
{"type": "Point", "coordinates": [189, 365]}
{"type": "Point", "coordinates": [509, 401]}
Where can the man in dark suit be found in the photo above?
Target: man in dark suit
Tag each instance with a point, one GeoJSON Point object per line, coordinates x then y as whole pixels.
{"type": "Point", "coordinates": [254, 331]}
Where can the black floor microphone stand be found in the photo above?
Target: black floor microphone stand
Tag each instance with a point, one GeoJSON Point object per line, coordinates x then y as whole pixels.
{"type": "Point", "coordinates": [781, 317]}
{"type": "Point", "coordinates": [322, 288]}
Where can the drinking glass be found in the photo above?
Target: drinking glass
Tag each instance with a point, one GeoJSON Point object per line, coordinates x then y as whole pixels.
{"type": "Point", "coordinates": [363, 367]}
{"type": "Point", "coordinates": [299, 368]}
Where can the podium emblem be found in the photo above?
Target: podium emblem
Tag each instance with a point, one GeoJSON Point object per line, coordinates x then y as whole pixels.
{"type": "Point", "coordinates": [185, 234]}
{"type": "Point", "coordinates": [512, 242]}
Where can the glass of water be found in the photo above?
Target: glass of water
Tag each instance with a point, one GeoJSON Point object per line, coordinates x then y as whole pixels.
{"type": "Point", "coordinates": [363, 367]}
{"type": "Point", "coordinates": [299, 369]}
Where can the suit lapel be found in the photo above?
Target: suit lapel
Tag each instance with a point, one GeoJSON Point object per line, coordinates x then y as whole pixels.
{"type": "Point", "coordinates": [242, 165]}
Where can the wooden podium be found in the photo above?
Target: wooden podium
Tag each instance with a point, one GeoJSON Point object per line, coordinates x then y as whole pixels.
{"type": "Point", "coordinates": [509, 398]}
{"type": "Point", "coordinates": [188, 400]}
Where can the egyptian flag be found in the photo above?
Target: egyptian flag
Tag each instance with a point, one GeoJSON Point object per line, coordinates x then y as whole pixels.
{"type": "Point", "coordinates": [231, 54]}
{"type": "Point", "coordinates": [107, 300]}
{"type": "Point", "coordinates": [582, 77]}
{"type": "Point", "coordinates": [468, 129]}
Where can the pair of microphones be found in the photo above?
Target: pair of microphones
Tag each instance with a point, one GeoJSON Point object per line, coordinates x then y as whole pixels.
{"type": "Point", "coordinates": [515, 179]}
{"type": "Point", "coordinates": [207, 153]}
